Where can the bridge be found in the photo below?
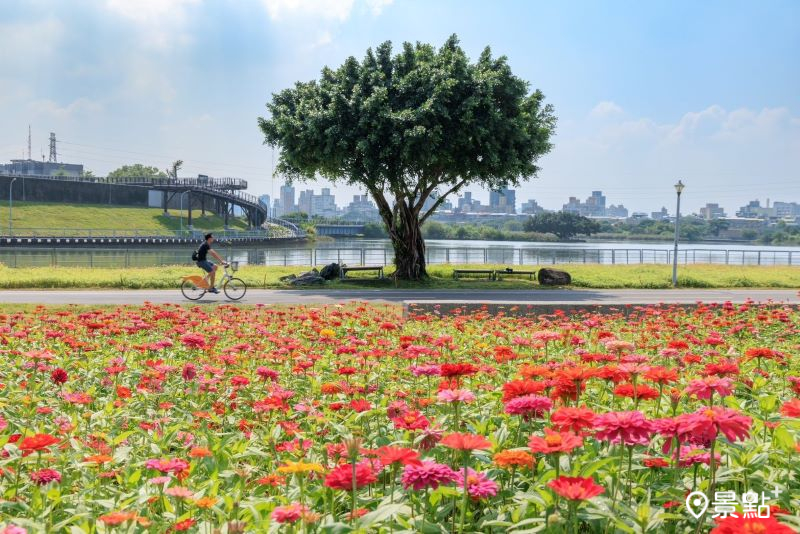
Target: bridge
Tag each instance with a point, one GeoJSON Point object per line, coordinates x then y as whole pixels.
{"type": "Point", "coordinates": [339, 230]}
{"type": "Point", "coordinates": [220, 195]}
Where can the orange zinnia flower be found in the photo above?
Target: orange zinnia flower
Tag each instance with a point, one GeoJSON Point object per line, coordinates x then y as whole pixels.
{"type": "Point", "coordinates": [513, 459]}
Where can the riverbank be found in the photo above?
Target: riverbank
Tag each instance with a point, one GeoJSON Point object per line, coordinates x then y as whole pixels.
{"type": "Point", "coordinates": [441, 277]}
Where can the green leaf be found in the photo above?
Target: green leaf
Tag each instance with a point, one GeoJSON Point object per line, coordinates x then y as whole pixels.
{"type": "Point", "coordinates": [783, 439]}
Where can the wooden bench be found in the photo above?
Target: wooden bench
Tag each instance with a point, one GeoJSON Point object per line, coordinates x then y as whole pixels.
{"type": "Point", "coordinates": [374, 268]}
{"type": "Point", "coordinates": [461, 272]}
{"type": "Point", "coordinates": [500, 273]}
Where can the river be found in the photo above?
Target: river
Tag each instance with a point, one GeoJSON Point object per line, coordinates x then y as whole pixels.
{"type": "Point", "coordinates": [379, 251]}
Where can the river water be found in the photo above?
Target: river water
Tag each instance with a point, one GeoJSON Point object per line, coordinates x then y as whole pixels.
{"type": "Point", "coordinates": [379, 251]}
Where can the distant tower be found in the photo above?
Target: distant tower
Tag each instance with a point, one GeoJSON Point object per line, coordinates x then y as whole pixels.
{"type": "Point", "coordinates": [29, 141]}
{"type": "Point", "coordinates": [52, 148]}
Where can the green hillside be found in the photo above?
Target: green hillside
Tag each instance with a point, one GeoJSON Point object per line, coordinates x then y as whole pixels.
{"type": "Point", "coordinates": [31, 218]}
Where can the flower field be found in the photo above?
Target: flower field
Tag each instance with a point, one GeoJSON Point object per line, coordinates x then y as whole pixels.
{"type": "Point", "coordinates": [353, 419]}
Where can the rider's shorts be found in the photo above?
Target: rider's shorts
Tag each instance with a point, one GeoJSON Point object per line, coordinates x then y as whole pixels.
{"type": "Point", "coordinates": [206, 265]}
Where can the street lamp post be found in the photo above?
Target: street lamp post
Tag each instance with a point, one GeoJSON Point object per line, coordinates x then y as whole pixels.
{"type": "Point", "coordinates": [181, 214]}
{"type": "Point", "coordinates": [10, 207]}
{"type": "Point", "coordinates": [678, 189]}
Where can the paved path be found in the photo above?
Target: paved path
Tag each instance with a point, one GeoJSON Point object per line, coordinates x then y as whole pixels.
{"type": "Point", "coordinates": [544, 296]}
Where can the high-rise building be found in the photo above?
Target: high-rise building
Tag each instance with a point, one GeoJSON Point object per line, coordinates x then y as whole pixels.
{"type": "Point", "coordinates": [531, 207]}
{"type": "Point", "coordinates": [267, 202]}
{"type": "Point", "coordinates": [287, 199]}
{"type": "Point", "coordinates": [324, 204]}
{"type": "Point", "coordinates": [503, 201]}
{"type": "Point", "coordinates": [361, 209]}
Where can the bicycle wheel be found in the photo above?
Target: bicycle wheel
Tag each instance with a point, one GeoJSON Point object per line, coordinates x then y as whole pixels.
{"type": "Point", "coordinates": [191, 291]}
{"type": "Point", "coordinates": [235, 288]}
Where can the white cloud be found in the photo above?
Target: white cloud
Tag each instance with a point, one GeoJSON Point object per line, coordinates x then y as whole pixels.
{"type": "Point", "coordinates": [376, 6]}
{"type": "Point", "coordinates": [160, 22]}
{"type": "Point", "coordinates": [150, 11]}
{"type": "Point", "coordinates": [605, 109]}
{"type": "Point", "coordinates": [325, 9]}
{"type": "Point", "coordinates": [52, 110]}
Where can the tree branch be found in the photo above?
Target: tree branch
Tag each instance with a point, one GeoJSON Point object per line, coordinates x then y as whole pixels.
{"type": "Point", "coordinates": [441, 199]}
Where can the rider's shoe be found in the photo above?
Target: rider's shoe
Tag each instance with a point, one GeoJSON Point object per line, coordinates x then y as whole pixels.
{"type": "Point", "coordinates": [213, 290]}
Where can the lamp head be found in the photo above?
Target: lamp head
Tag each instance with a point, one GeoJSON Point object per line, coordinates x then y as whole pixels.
{"type": "Point", "coordinates": [679, 187]}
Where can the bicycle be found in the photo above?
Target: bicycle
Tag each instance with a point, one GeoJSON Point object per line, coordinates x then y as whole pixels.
{"type": "Point", "coordinates": [194, 287]}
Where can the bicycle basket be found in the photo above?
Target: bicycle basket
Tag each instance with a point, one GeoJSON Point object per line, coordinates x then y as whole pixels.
{"type": "Point", "coordinates": [234, 266]}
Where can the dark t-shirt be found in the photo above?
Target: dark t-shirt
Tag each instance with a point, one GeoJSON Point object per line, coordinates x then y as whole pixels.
{"type": "Point", "coordinates": [202, 251]}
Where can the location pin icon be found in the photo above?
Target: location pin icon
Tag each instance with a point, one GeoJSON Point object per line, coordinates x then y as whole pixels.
{"type": "Point", "coordinates": [697, 503]}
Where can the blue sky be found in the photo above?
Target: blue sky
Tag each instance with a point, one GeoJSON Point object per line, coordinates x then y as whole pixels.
{"type": "Point", "coordinates": [645, 92]}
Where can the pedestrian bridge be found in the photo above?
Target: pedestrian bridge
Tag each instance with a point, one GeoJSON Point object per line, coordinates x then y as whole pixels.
{"type": "Point", "coordinates": [340, 230]}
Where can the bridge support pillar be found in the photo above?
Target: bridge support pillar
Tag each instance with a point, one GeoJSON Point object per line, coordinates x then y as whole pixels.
{"type": "Point", "coordinates": [227, 210]}
{"type": "Point", "coordinates": [164, 201]}
{"type": "Point", "coordinates": [189, 198]}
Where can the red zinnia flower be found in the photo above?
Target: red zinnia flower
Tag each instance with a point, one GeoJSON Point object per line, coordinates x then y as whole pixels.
{"type": "Point", "coordinates": [342, 476]}
{"type": "Point", "coordinates": [59, 376]}
{"type": "Point", "coordinates": [465, 442]}
{"type": "Point", "coordinates": [457, 369]}
{"type": "Point", "coordinates": [555, 442]}
{"type": "Point", "coordinates": [575, 488]}
{"type": "Point", "coordinates": [750, 525]}
{"type": "Point", "coordinates": [38, 442]}
{"type": "Point", "coordinates": [791, 408]}
{"type": "Point", "coordinates": [193, 341]}
{"type": "Point", "coordinates": [574, 419]}
{"type": "Point", "coordinates": [412, 420]}
{"type": "Point", "coordinates": [703, 426]}
{"type": "Point", "coordinates": [402, 455]}
{"type": "Point", "coordinates": [520, 388]}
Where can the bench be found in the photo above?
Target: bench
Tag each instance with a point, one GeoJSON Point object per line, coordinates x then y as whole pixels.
{"type": "Point", "coordinates": [500, 273]}
{"type": "Point", "coordinates": [462, 272]}
{"type": "Point", "coordinates": [375, 268]}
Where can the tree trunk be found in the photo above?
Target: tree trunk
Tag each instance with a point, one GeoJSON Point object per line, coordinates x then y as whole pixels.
{"type": "Point", "coordinates": [409, 247]}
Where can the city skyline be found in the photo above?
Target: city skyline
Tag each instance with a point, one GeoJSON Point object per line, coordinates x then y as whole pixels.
{"type": "Point", "coordinates": [646, 94]}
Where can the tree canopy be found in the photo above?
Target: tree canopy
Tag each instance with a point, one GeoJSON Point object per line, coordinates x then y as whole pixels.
{"type": "Point", "coordinates": [563, 224]}
{"type": "Point", "coordinates": [422, 122]}
{"type": "Point", "coordinates": [136, 170]}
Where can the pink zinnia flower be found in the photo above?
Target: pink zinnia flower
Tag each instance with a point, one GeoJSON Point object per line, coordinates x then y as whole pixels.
{"type": "Point", "coordinates": [289, 513]}
{"type": "Point", "coordinates": [479, 486]}
{"type": "Point", "coordinates": [193, 340]}
{"type": "Point", "coordinates": [425, 370]}
{"type": "Point", "coordinates": [179, 492]}
{"type": "Point", "coordinates": [427, 474]}
{"type": "Point", "coordinates": [14, 529]}
{"type": "Point", "coordinates": [456, 395]}
{"type": "Point", "coordinates": [630, 428]}
{"type": "Point", "coordinates": [704, 387]}
{"type": "Point", "coordinates": [157, 481]}
{"type": "Point", "coordinates": [45, 476]}
{"type": "Point", "coordinates": [528, 406]}
{"type": "Point", "coordinates": [267, 374]}
{"type": "Point", "coordinates": [165, 465]}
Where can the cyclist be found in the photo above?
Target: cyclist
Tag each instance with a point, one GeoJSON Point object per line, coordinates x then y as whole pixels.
{"type": "Point", "coordinates": [207, 266]}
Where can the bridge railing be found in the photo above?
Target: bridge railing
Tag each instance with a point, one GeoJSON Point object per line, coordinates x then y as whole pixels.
{"type": "Point", "coordinates": [211, 183]}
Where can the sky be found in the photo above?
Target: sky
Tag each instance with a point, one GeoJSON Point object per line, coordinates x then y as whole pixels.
{"type": "Point", "coordinates": [646, 93]}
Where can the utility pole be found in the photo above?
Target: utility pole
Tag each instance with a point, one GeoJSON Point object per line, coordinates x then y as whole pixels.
{"type": "Point", "coordinates": [29, 141]}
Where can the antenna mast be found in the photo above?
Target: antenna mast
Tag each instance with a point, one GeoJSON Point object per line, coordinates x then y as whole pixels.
{"type": "Point", "coordinates": [53, 158]}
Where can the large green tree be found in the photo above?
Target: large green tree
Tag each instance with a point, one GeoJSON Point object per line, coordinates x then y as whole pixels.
{"type": "Point", "coordinates": [136, 170]}
{"type": "Point", "coordinates": [405, 127]}
{"type": "Point", "coordinates": [563, 224]}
